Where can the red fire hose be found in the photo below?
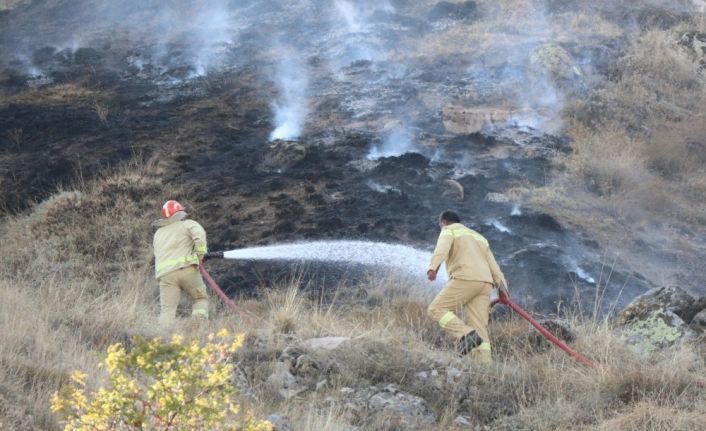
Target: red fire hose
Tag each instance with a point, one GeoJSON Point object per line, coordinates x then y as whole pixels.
{"type": "Point", "coordinates": [217, 289]}
{"type": "Point", "coordinates": [548, 335]}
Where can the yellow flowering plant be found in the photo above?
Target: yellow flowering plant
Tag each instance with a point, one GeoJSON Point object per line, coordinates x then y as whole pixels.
{"type": "Point", "coordinates": [158, 385]}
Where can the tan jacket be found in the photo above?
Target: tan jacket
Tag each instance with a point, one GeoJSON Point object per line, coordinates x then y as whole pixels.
{"type": "Point", "coordinates": [467, 255]}
{"type": "Point", "coordinates": [177, 243]}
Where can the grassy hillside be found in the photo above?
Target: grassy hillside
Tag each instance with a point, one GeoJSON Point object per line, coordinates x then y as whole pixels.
{"type": "Point", "coordinates": [76, 269]}
{"type": "Point", "coordinates": [76, 278]}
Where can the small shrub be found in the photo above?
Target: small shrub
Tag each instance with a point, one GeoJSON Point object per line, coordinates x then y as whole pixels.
{"type": "Point", "coordinates": [160, 386]}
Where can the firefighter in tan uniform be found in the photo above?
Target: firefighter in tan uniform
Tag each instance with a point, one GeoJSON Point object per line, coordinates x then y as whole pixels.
{"type": "Point", "coordinates": [472, 273]}
{"type": "Point", "coordinates": [179, 246]}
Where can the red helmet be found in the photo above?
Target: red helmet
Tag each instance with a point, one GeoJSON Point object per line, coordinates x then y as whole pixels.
{"type": "Point", "coordinates": [170, 208]}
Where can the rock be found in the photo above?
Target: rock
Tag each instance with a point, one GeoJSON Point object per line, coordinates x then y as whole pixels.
{"type": "Point", "coordinates": [452, 375]}
{"type": "Point", "coordinates": [321, 385]}
{"type": "Point", "coordinates": [559, 327]}
{"type": "Point", "coordinates": [401, 410]}
{"type": "Point", "coordinates": [289, 355]}
{"type": "Point", "coordinates": [672, 299]}
{"type": "Point", "coordinates": [422, 375]}
{"type": "Point", "coordinates": [282, 155]}
{"type": "Point", "coordinates": [466, 120]}
{"type": "Point", "coordinates": [555, 62]}
{"type": "Point", "coordinates": [307, 366]}
{"type": "Point", "coordinates": [240, 381]}
{"type": "Point", "coordinates": [656, 330]}
{"type": "Point", "coordinates": [497, 198]}
{"type": "Point", "coordinates": [659, 318]}
{"type": "Point", "coordinates": [279, 422]}
{"type": "Point", "coordinates": [698, 323]}
{"type": "Point", "coordinates": [453, 190]}
{"type": "Point", "coordinates": [284, 383]}
{"type": "Point", "coordinates": [324, 343]}
{"type": "Point", "coordinates": [462, 422]}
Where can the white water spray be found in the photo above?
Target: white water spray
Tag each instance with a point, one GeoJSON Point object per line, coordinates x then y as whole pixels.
{"type": "Point", "coordinates": [402, 259]}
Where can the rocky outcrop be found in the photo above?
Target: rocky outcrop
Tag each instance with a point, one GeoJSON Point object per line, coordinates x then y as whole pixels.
{"type": "Point", "coordinates": [698, 323]}
{"type": "Point", "coordinates": [303, 367]}
{"type": "Point", "coordinates": [389, 407]}
{"type": "Point", "coordinates": [467, 120]}
{"type": "Point", "coordinates": [659, 318]}
{"type": "Point", "coordinates": [672, 299]}
{"type": "Point", "coordinates": [324, 343]}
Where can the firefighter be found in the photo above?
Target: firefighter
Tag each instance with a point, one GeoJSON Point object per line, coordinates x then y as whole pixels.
{"type": "Point", "coordinates": [179, 246]}
{"type": "Point", "coordinates": [472, 273]}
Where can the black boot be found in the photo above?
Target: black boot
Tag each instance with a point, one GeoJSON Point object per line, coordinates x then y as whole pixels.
{"type": "Point", "coordinates": [468, 342]}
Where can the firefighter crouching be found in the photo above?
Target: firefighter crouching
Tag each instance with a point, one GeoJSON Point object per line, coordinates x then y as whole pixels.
{"type": "Point", "coordinates": [179, 246]}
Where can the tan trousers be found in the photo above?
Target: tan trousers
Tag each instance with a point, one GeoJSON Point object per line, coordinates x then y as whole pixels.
{"type": "Point", "coordinates": [170, 287]}
{"type": "Point", "coordinates": [474, 297]}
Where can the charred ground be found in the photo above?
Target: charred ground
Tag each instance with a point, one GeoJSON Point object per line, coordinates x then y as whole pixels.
{"type": "Point", "coordinates": [112, 99]}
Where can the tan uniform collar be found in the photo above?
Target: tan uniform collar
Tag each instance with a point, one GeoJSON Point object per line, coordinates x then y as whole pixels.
{"type": "Point", "coordinates": [453, 226]}
{"type": "Point", "coordinates": [178, 216]}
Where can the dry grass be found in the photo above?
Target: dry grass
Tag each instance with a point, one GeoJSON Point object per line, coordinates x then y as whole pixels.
{"type": "Point", "coordinates": [79, 279]}
{"type": "Point", "coordinates": [70, 93]}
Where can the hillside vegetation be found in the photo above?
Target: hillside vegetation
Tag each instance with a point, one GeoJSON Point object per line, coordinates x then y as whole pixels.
{"type": "Point", "coordinates": [629, 180]}
{"type": "Point", "coordinates": [84, 277]}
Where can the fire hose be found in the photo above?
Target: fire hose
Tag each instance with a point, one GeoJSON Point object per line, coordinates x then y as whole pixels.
{"type": "Point", "coordinates": [217, 290]}
{"type": "Point", "coordinates": [504, 299]}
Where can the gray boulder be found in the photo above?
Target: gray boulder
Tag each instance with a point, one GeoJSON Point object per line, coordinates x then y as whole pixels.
{"type": "Point", "coordinates": [659, 318]}
{"type": "Point", "coordinates": [388, 407]}
{"type": "Point", "coordinates": [698, 323]}
{"type": "Point", "coordinates": [284, 383]}
{"type": "Point", "coordinates": [656, 330]}
{"type": "Point", "coordinates": [400, 410]}
{"type": "Point", "coordinates": [324, 343]}
{"type": "Point", "coordinates": [672, 299]}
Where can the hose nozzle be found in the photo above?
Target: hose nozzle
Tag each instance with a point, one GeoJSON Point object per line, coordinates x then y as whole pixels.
{"type": "Point", "coordinates": [213, 255]}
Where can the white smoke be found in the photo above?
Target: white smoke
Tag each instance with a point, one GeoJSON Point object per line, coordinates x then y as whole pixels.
{"type": "Point", "coordinates": [350, 14]}
{"type": "Point", "coordinates": [394, 143]}
{"type": "Point", "coordinates": [499, 226]}
{"type": "Point", "coordinates": [291, 107]}
{"type": "Point", "coordinates": [212, 34]}
{"type": "Point", "coordinates": [517, 73]}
